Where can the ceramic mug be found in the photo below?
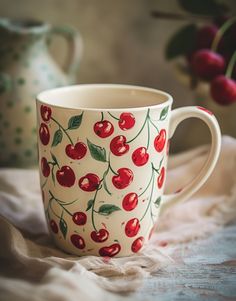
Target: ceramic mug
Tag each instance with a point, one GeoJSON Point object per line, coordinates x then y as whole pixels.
{"type": "Point", "coordinates": [103, 153]}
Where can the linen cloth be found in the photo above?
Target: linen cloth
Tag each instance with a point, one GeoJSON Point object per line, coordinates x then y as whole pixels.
{"type": "Point", "coordinates": [32, 268]}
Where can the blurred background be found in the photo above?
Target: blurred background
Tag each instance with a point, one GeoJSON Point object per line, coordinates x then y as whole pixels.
{"type": "Point", "coordinates": [123, 43]}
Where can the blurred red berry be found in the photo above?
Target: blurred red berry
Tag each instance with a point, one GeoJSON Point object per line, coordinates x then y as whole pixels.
{"type": "Point", "coordinates": [223, 90]}
{"type": "Point", "coordinates": [205, 36]}
{"type": "Point", "coordinates": [207, 64]}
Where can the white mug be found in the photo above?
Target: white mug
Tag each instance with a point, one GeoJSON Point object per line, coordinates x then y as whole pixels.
{"type": "Point", "coordinates": [103, 153]}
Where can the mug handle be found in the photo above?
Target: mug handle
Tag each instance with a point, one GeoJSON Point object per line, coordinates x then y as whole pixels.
{"type": "Point", "coordinates": [177, 116]}
{"type": "Point", "coordinates": [75, 48]}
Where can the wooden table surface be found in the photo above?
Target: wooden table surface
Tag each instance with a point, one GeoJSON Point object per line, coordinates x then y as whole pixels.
{"type": "Point", "coordinates": [205, 270]}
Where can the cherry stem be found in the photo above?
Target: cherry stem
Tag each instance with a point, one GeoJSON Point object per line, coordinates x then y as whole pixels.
{"type": "Point", "coordinates": [153, 124]}
{"type": "Point", "coordinates": [113, 116]}
{"type": "Point", "coordinates": [179, 17]}
{"type": "Point", "coordinates": [64, 130]}
{"type": "Point", "coordinates": [221, 31]}
{"type": "Point", "coordinates": [102, 118]}
{"type": "Point", "coordinates": [148, 141]}
{"type": "Point", "coordinates": [147, 185]}
{"type": "Point", "coordinates": [150, 198]}
{"type": "Point", "coordinates": [157, 170]}
{"type": "Point", "coordinates": [139, 132]}
{"type": "Point", "coordinates": [59, 203]}
{"type": "Point", "coordinates": [44, 184]}
{"type": "Point", "coordinates": [230, 67]}
{"type": "Point", "coordinates": [50, 205]}
{"type": "Point", "coordinates": [93, 210]}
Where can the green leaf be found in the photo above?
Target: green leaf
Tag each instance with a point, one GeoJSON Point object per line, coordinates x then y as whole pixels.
{"type": "Point", "coordinates": [164, 113]}
{"type": "Point", "coordinates": [158, 201]}
{"type": "Point", "coordinates": [57, 137]}
{"type": "Point", "coordinates": [97, 152]}
{"type": "Point", "coordinates": [75, 122]}
{"type": "Point", "coordinates": [182, 42]}
{"type": "Point", "coordinates": [63, 227]}
{"type": "Point", "coordinates": [90, 204]}
{"type": "Point", "coordinates": [107, 209]}
{"type": "Point", "coordinates": [204, 7]}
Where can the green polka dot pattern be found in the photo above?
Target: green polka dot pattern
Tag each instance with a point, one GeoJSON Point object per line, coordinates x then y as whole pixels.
{"type": "Point", "coordinates": [26, 69]}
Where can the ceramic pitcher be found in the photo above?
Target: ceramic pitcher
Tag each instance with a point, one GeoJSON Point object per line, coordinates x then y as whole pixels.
{"type": "Point", "coordinates": [26, 68]}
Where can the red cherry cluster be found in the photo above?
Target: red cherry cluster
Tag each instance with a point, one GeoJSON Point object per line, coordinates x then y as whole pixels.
{"type": "Point", "coordinates": [105, 128]}
{"type": "Point", "coordinates": [213, 60]}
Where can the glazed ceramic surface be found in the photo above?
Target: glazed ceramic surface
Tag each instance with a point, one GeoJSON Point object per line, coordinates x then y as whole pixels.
{"type": "Point", "coordinates": [103, 153]}
{"type": "Point", "coordinates": [26, 68]}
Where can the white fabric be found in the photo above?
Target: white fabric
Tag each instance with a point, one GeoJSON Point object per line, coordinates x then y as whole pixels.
{"type": "Point", "coordinates": [31, 268]}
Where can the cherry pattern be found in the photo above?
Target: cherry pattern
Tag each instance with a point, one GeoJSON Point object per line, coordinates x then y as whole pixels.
{"type": "Point", "coordinates": [77, 151]}
{"type": "Point", "coordinates": [92, 183]}
{"type": "Point", "coordinates": [137, 244]}
{"type": "Point", "coordinates": [53, 226]}
{"type": "Point", "coordinates": [100, 236]}
{"type": "Point", "coordinates": [45, 167]}
{"type": "Point", "coordinates": [77, 241]}
{"type": "Point", "coordinates": [110, 251]}
{"type": "Point", "coordinates": [103, 128]}
{"type": "Point", "coordinates": [132, 227]}
{"type": "Point", "coordinates": [130, 201]}
{"type": "Point", "coordinates": [119, 146]}
{"type": "Point", "coordinates": [44, 134]}
{"type": "Point", "coordinates": [126, 121]}
{"type": "Point", "coordinates": [46, 113]}
{"type": "Point", "coordinates": [79, 218]}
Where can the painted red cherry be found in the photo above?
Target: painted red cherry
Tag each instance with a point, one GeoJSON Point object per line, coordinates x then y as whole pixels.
{"type": "Point", "coordinates": [132, 227]}
{"type": "Point", "coordinates": [137, 244]}
{"type": "Point", "coordinates": [65, 176]}
{"type": "Point", "coordinates": [110, 251]}
{"type": "Point", "coordinates": [223, 90]}
{"type": "Point", "coordinates": [103, 128]}
{"type": "Point", "coordinates": [140, 156]}
{"type": "Point", "coordinates": [160, 140]}
{"type": "Point", "coordinates": [100, 236]}
{"type": "Point", "coordinates": [46, 113]}
{"type": "Point", "coordinates": [205, 36]}
{"type": "Point", "coordinates": [126, 121]}
{"type": "Point", "coordinates": [161, 178]}
{"type": "Point", "coordinates": [77, 151]}
{"type": "Point", "coordinates": [205, 110]}
{"type": "Point", "coordinates": [130, 201]}
{"type": "Point", "coordinates": [89, 182]}
{"type": "Point", "coordinates": [77, 241]}
{"type": "Point", "coordinates": [123, 179]}
{"type": "Point", "coordinates": [45, 167]}
{"type": "Point", "coordinates": [119, 146]}
{"type": "Point", "coordinates": [208, 64]}
{"type": "Point", "coordinates": [44, 134]}
{"type": "Point", "coordinates": [79, 218]}
{"type": "Point", "coordinates": [53, 226]}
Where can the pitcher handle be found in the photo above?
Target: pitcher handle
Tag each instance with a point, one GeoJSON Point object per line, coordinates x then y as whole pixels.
{"type": "Point", "coordinates": [178, 115]}
{"type": "Point", "coordinates": [75, 48]}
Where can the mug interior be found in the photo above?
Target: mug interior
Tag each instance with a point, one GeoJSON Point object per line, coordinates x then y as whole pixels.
{"type": "Point", "coordinates": [104, 96]}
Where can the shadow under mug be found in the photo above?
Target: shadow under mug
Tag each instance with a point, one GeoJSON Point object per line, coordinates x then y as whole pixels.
{"type": "Point", "coordinates": [103, 153]}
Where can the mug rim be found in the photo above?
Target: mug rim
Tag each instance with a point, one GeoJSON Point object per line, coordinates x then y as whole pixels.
{"type": "Point", "coordinates": [48, 92]}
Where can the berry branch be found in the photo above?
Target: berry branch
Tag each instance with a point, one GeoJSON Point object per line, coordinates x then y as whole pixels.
{"type": "Point", "coordinates": [221, 31]}
{"type": "Point", "coordinates": [114, 117]}
{"type": "Point", "coordinates": [230, 67]}
{"type": "Point", "coordinates": [63, 129]}
{"type": "Point", "coordinates": [139, 132]}
{"type": "Point", "coordinates": [151, 182]}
